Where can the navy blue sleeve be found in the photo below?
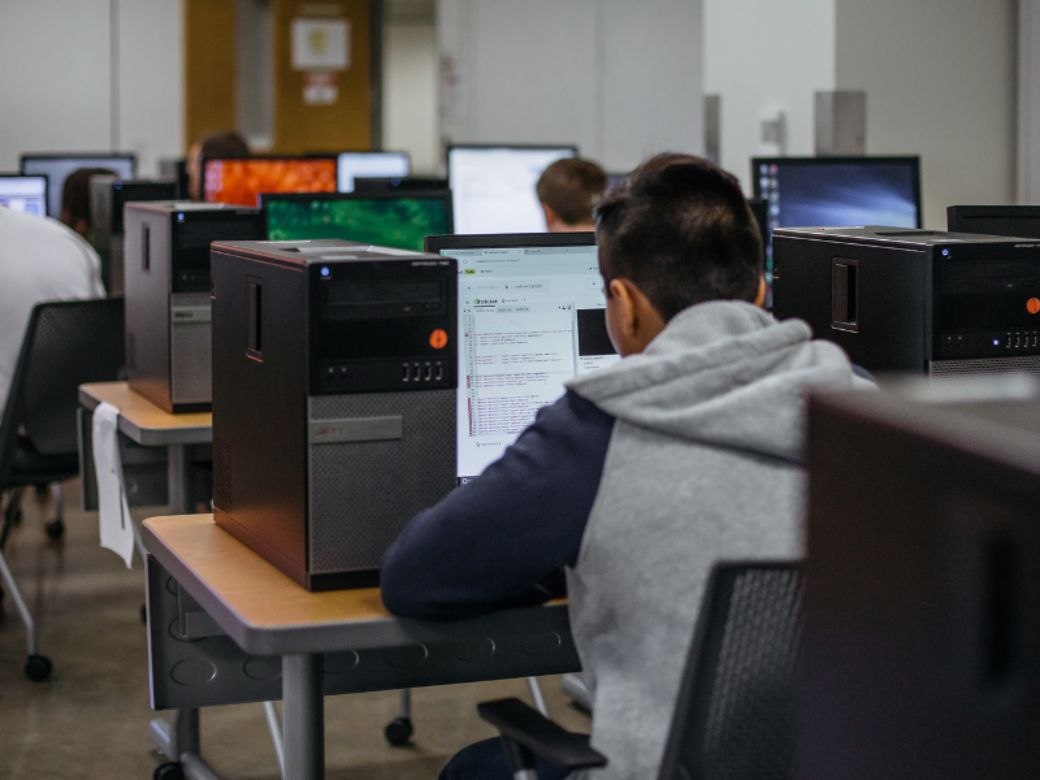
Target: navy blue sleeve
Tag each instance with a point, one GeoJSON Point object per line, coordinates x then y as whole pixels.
{"type": "Point", "coordinates": [502, 539]}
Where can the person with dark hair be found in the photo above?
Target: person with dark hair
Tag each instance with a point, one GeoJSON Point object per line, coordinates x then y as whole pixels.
{"type": "Point", "coordinates": [568, 190]}
{"type": "Point", "coordinates": [227, 143]}
{"type": "Point", "coordinates": [644, 474]}
{"type": "Point", "coordinates": [75, 200]}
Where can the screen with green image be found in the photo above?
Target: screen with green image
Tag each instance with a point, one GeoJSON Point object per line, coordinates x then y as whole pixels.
{"type": "Point", "coordinates": [402, 223]}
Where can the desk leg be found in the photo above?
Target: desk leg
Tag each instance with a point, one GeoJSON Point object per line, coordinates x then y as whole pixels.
{"type": "Point", "coordinates": [178, 479]}
{"type": "Point", "coordinates": [303, 716]}
{"type": "Point", "coordinates": [179, 734]}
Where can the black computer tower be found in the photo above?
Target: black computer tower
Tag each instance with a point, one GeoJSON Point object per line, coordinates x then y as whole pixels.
{"type": "Point", "coordinates": [108, 195]}
{"type": "Point", "coordinates": [921, 646]}
{"type": "Point", "coordinates": [168, 343]}
{"type": "Point", "coordinates": [334, 392]}
{"type": "Point", "coordinates": [905, 300]}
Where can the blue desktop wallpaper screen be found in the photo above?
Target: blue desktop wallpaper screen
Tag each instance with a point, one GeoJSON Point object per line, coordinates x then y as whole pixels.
{"type": "Point", "coordinates": [840, 195]}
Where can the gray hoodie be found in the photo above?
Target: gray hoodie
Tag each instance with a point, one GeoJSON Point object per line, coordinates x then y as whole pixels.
{"type": "Point", "coordinates": [703, 465]}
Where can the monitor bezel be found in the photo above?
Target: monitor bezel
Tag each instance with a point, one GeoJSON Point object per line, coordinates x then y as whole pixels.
{"type": "Point", "coordinates": [441, 195]}
{"type": "Point", "coordinates": [131, 156]}
{"type": "Point", "coordinates": [435, 244]}
{"type": "Point", "coordinates": [914, 160]}
{"type": "Point", "coordinates": [46, 186]}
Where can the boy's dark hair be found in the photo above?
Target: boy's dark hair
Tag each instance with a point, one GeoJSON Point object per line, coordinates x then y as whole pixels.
{"type": "Point", "coordinates": [570, 187]}
{"type": "Point", "coordinates": [679, 228]}
{"type": "Point", "coordinates": [75, 194]}
{"type": "Point", "coordinates": [227, 143]}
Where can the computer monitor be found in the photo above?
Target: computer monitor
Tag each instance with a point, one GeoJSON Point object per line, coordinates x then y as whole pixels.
{"type": "Point", "coordinates": [242, 180]}
{"type": "Point", "coordinates": [922, 633]}
{"type": "Point", "coordinates": [394, 183]}
{"type": "Point", "coordinates": [531, 316]}
{"type": "Point", "coordinates": [493, 186]}
{"type": "Point", "coordinates": [399, 219]}
{"type": "Point", "coordinates": [354, 165]}
{"type": "Point", "coordinates": [1013, 221]}
{"type": "Point", "coordinates": [838, 192]}
{"type": "Point", "coordinates": [27, 194]}
{"type": "Point", "coordinates": [57, 167]}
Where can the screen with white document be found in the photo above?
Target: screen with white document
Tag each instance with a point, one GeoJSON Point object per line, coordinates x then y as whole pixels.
{"type": "Point", "coordinates": [363, 165]}
{"type": "Point", "coordinates": [531, 317]}
{"type": "Point", "coordinates": [493, 187]}
{"type": "Point", "coordinates": [27, 194]}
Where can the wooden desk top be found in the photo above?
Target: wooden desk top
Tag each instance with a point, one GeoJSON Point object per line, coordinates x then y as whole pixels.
{"type": "Point", "coordinates": [267, 613]}
{"type": "Point", "coordinates": [144, 422]}
{"type": "Point", "coordinates": [259, 594]}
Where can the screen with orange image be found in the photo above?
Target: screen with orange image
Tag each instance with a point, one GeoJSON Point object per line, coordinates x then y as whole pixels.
{"type": "Point", "coordinates": [242, 181]}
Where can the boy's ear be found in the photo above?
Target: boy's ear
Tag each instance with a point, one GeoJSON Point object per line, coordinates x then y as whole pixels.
{"type": "Point", "coordinates": [760, 297]}
{"type": "Point", "coordinates": [550, 216]}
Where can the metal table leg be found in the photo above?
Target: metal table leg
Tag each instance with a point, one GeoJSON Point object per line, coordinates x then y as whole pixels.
{"type": "Point", "coordinates": [178, 479]}
{"type": "Point", "coordinates": [178, 735]}
{"type": "Point", "coordinates": [181, 734]}
{"type": "Point", "coordinates": [303, 716]}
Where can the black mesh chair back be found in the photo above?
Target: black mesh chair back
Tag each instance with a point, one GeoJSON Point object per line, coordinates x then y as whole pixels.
{"type": "Point", "coordinates": [734, 717]}
{"type": "Point", "coordinates": [66, 344]}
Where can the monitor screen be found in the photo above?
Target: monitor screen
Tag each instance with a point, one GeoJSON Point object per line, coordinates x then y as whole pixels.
{"type": "Point", "coordinates": [57, 167]}
{"type": "Point", "coordinates": [838, 192]}
{"type": "Point", "coordinates": [531, 317]}
{"type": "Point", "coordinates": [493, 186]}
{"type": "Point", "coordinates": [356, 165]}
{"type": "Point", "coordinates": [402, 220]}
{"type": "Point", "coordinates": [241, 181]}
{"type": "Point", "coordinates": [1014, 221]}
{"type": "Point", "coordinates": [27, 194]}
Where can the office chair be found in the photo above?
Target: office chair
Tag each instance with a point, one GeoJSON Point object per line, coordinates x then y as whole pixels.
{"type": "Point", "coordinates": [65, 344]}
{"type": "Point", "coordinates": [734, 715]}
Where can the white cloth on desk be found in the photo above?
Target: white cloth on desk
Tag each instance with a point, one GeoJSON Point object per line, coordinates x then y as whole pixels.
{"type": "Point", "coordinates": [40, 260]}
{"type": "Point", "coordinates": [115, 524]}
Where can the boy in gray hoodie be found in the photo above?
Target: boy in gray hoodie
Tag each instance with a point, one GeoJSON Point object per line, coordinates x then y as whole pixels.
{"type": "Point", "coordinates": [645, 474]}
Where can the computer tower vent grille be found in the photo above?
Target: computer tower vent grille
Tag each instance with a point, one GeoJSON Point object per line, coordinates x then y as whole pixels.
{"type": "Point", "coordinates": [940, 369]}
{"type": "Point", "coordinates": [362, 493]}
{"type": "Point", "coordinates": [191, 359]}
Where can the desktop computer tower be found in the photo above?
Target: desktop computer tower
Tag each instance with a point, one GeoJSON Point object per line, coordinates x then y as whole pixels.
{"type": "Point", "coordinates": [167, 295]}
{"type": "Point", "coordinates": [334, 400]}
{"type": "Point", "coordinates": [108, 195]}
{"type": "Point", "coordinates": [904, 300]}
{"type": "Point", "coordinates": [921, 640]}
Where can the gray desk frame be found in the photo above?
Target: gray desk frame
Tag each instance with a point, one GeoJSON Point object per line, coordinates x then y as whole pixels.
{"type": "Point", "coordinates": [201, 652]}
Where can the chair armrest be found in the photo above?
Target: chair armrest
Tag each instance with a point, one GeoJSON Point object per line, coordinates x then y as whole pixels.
{"type": "Point", "coordinates": [516, 721]}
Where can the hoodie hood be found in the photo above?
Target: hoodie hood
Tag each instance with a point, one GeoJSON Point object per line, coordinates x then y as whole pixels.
{"type": "Point", "coordinates": [724, 373]}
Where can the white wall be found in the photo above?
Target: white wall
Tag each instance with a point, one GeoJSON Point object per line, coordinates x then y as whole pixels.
{"type": "Point", "coordinates": [1028, 147]}
{"type": "Point", "coordinates": [620, 79]}
{"type": "Point", "coordinates": [410, 65]}
{"type": "Point", "coordinates": [60, 91]}
{"type": "Point", "coordinates": [940, 77]}
{"type": "Point", "coordinates": [762, 56]}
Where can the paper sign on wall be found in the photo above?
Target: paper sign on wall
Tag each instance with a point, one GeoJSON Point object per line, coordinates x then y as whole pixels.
{"type": "Point", "coordinates": [320, 44]}
{"type": "Point", "coordinates": [320, 89]}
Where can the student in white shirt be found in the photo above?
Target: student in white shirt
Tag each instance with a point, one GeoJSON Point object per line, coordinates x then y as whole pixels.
{"type": "Point", "coordinates": [40, 260]}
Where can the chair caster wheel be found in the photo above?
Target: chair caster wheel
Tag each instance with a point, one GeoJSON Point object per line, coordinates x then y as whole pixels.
{"type": "Point", "coordinates": [171, 770]}
{"type": "Point", "coordinates": [398, 731]}
{"type": "Point", "coordinates": [38, 668]}
{"type": "Point", "coordinates": [55, 530]}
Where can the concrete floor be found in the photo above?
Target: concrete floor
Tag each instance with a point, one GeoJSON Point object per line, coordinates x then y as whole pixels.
{"type": "Point", "coordinates": [90, 718]}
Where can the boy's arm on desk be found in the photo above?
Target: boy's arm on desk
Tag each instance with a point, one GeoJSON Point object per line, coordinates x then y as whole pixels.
{"type": "Point", "coordinates": [503, 539]}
